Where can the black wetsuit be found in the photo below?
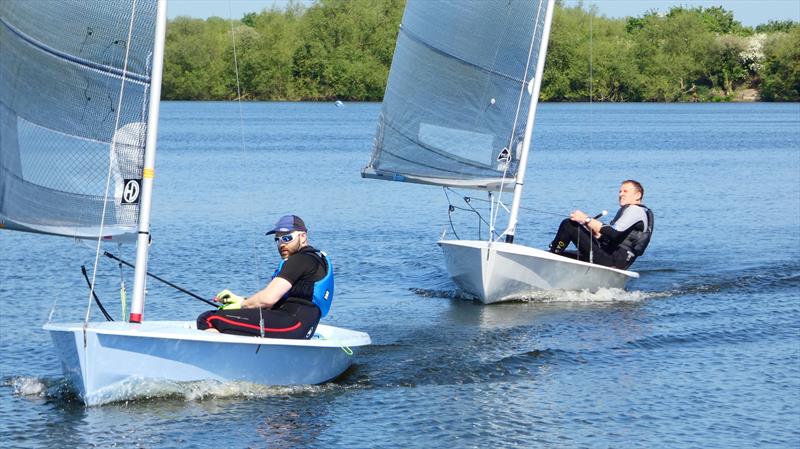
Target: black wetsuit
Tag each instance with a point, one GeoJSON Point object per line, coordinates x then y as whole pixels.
{"type": "Point", "coordinates": [293, 316]}
{"type": "Point", "coordinates": [613, 249]}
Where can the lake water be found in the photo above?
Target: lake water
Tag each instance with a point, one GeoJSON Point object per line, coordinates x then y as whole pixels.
{"type": "Point", "coordinates": [702, 351]}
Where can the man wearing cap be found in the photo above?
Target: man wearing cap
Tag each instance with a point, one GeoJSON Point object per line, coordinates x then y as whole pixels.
{"type": "Point", "coordinates": [292, 304]}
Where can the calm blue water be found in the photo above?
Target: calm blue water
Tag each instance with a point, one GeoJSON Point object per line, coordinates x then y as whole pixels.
{"type": "Point", "coordinates": [702, 351]}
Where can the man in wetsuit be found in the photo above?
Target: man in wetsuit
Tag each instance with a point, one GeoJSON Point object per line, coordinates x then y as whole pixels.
{"type": "Point", "coordinates": [287, 307]}
{"type": "Point", "coordinates": [614, 245]}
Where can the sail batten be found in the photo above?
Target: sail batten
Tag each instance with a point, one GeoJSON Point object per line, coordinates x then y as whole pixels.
{"type": "Point", "coordinates": [456, 93]}
{"type": "Point", "coordinates": [74, 96]}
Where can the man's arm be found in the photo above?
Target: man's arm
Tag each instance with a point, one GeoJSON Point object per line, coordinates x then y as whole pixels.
{"type": "Point", "coordinates": [593, 225]}
{"type": "Point", "coordinates": [268, 296]}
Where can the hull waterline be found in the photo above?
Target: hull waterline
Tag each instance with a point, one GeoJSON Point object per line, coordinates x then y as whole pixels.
{"type": "Point", "coordinates": [499, 271]}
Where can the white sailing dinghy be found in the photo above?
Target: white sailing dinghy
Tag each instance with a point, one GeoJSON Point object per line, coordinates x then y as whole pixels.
{"type": "Point", "coordinates": [459, 112]}
{"type": "Point", "coordinates": [79, 93]}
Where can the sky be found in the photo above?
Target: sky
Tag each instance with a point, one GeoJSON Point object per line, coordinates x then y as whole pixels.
{"type": "Point", "coordinates": [749, 12]}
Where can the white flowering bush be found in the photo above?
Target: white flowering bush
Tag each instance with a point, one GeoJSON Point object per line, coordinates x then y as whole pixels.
{"type": "Point", "coordinates": [752, 57]}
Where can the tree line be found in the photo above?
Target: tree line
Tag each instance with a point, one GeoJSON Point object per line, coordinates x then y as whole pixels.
{"type": "Point", "coordinates": [342, 49]}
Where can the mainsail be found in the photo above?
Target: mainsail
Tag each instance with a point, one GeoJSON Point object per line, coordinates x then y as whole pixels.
{"type": "Point", "coordinates": [455, 106]}
{"type": "Point", "coordinates": [71, 152]}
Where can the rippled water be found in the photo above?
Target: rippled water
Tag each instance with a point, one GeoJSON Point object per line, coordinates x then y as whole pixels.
{"type": "Point", "coordinates": [702, 351]}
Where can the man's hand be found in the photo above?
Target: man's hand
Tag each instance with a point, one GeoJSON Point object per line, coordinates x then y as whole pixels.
{"type": "Point", "coordinates": [229, 300]}
{"type": "Point", "coordinates": [578, 215]}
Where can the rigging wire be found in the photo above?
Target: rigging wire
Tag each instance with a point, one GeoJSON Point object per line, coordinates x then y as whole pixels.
{"type": "Point", "coordinates": [254, 245]}
{"type": "Point", "coordinates": [124, 78]}
{"type": "Point", "coordinates": [591, 115]}
{"type": "Point", "coordinates": [511, 150]}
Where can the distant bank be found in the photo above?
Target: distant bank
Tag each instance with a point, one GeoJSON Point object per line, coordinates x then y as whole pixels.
{"type": "Point", "coordinates": [343, 50]}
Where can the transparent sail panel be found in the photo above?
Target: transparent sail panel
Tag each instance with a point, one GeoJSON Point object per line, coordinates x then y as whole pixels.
{"type": "Point", "coordinates": [456, 103]}
{"type": "Point", "coordinates": [62, 73]}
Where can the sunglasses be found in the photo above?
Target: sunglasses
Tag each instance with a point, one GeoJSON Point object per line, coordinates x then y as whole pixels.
{"type": "Point", "coordinates": [284, 238]}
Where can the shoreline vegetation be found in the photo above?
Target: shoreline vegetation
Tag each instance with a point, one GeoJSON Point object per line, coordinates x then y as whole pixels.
{"type": "Point", "coordinates": [342, 50]}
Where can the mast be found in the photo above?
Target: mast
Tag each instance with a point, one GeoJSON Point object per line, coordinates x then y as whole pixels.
{"type": "Point", "coordinates": [143, 238]}
{"type": "Point", "coordinates": [526, 141]}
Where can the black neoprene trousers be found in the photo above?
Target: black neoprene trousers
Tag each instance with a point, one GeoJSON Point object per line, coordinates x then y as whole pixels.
{"type": "Point", "coordinates": [572, 232]}
{"type": "Point", "coordinates": [291, 320]}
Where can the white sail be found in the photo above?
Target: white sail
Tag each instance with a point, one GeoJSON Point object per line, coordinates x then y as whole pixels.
{"type": "Point", "coordinates": [456, 101]}
{"type": "Point", "coordinates": [65, 67]}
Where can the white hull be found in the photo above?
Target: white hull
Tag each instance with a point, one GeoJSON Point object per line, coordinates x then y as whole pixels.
{"type": "Point", "coordinates": [115, 353]}
{"type": "Point", "coordinates": [500, 271]}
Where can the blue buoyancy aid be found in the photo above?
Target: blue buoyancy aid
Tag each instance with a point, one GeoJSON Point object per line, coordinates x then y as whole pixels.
{"type": "Point", "coordinates": [323, 288]}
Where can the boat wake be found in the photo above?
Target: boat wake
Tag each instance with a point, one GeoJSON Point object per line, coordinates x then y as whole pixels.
{"type": "Point", "coordinates": [136, 390]}
{"type": "Point", "coordinates": [610, 295]}
{"type": "Point", "coordinates": [755, 279]}
{"type": "Point", "coordinates": [404, 366]}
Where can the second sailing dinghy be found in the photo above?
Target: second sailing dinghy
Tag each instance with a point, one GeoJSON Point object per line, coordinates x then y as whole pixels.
{"type": "Point", "coordinates": [79, 94]}
{"type": "Point", "coordinates": [459, 111]}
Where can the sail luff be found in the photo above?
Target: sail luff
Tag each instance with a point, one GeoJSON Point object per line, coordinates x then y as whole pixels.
{"type": "Point", "coordinates": [143, 239]}
{"type": "Point", "coordinates": [526, 141]}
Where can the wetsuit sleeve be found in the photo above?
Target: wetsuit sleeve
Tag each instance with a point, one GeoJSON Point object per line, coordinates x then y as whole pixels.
{"type": "Point", "coordinates": [299, 266]}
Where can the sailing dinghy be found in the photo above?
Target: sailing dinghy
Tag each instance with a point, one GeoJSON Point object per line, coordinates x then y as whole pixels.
{"type": "Point", "coordinates": [459, 112]}
{"type": "Point", "coordinates": [79, 99]}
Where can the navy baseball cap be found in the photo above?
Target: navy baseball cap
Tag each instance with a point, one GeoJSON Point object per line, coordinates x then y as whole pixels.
{"type": "Point", "coordinates": [289, 223]}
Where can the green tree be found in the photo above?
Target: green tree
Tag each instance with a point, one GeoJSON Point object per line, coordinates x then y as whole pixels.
{"type": "Point", "coordinates": [265, 53]}
{"type": "Point", "coordinates": [724, 65]}
{"type": "Point", "coordinates": [194, 59]}
{"type": "Point", "coordinates": [780, 75]}
{"type": "Point", "coordinates": [715, 19]}
{"type": "Point", "coordinates": [346, 48]}
{"type": "Point", "coordinates": [777, 26]}
{"type": "Point", "coordinates": [669, 51]}
{"type": "Point", "coordinates": [342, 49]}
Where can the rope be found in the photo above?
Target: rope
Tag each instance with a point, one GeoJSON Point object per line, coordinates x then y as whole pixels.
{"type": "Point", "coordinates": [122, 293]}
{"type": "Point", "coordinates": [558, 214]}
{"type": "Point", "coordinates": [176, 287]}
{"type": "Point", "coordinates": [96, 299]}
{"type": "Point", "coordinates": [451, 208]}
{"type": "Point", "coordinates": [450, 217]}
